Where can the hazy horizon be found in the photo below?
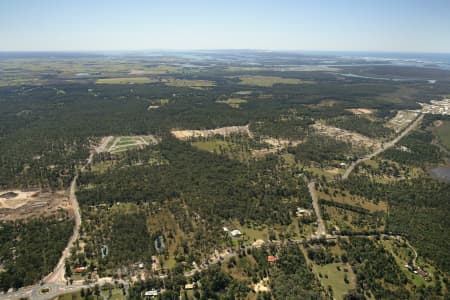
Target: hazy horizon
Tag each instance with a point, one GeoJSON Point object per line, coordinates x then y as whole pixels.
{"type": "Point", "coordinates": [136, 25]}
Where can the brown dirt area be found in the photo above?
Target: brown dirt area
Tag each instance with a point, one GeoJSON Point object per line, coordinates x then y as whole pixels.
{"type": "Point", "coordinates": [360, 111]}
{"type": "Point", "coordinates": [32, 203]}
{"type": "Point", "coordinates": [354, 138]}
{"type": "Point", "coordinates": [275, 146]}
{"type": "Point", "coordinates": [224, 131]}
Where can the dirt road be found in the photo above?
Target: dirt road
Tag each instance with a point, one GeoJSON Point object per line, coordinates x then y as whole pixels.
{"type": "Point", "coordinates": [321, 231]}
{"type": "Point", "coordinates": [384, 147]}
{"type": "Point", "coordinates": [58, 274]}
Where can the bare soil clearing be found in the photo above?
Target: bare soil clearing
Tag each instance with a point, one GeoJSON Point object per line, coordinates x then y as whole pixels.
{"type": "Point", "coordinates": [32, 203]}
{"type": "Point", "coordinates": [122, 143]}
{"type": "Point", "coordinates": [223, 131]}
{"type": "Point", "coordinates": [360, 111]}
{"type": "Point", "coordinates": [401, 120]}
{"type": "Point", "coordinates": [354, 138]}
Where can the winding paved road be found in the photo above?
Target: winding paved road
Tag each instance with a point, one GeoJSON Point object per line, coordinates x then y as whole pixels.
{"type": "Point", "coordinates": [385, 146]}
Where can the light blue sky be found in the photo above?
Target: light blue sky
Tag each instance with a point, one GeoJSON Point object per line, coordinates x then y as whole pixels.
{"type": "Point", "coordinates": [355, 25]}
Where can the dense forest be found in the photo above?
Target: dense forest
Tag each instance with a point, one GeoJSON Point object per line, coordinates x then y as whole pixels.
{"type": "Point", "coordinates": [417, 209]}
{"type": "Point", "coordinates": [214, 186]}
{"type": "Point", "coordinates": [30, 250]}
{"type": "Point", "coordinates": [172, 199]}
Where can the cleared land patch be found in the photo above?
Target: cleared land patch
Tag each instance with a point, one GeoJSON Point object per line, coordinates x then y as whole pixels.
{"type": "Point", "coordinates": [345, 198]}
{"type": "Point", "coordinates": [123, 143]}
{"type": "Point", "coordinates": [354, 138]}
{"type": "Point", "coordinates": [157, 70]}
{"type": "Point", "coordinates": [401, 120]}
{"type": "Point", "coordinates": [23, 204]}
{"type": "Point", "coordinates": [443, 133]}
{"type": "Point", "coordinates": [269, 81]}
{"type": "Point", "coordinates": [333, 275]}
{"type": "Point", "coordinates": [198, 84]}
{"type": "Point", "coordinates": [360, 111]}
{"type": "Point", "coordinates": [126, 80]}
{"type": "Point", "coordinates": [223, 131]}
{"type": "Point", "coordinates": [234, 102]}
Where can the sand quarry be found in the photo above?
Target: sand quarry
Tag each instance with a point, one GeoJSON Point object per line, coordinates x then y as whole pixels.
{"type": "Point", "coordinates": [23, 204]}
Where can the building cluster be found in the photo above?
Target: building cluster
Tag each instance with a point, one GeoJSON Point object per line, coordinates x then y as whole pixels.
{"type": "Point", "coordinates": [436, 107]}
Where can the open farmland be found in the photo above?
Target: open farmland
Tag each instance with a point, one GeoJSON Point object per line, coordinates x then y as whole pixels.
{"type": "Point", "coordinates": [157, 70]}
{"type": "Point", "coordinates": [197, 84]}
{"type": "Point", "coordinates": [268, 81]}
{"type": "Point", "coordinates": [126, 80]}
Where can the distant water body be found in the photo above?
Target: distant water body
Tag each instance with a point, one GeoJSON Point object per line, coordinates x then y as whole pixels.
{"type": "Point", "coordinates": [441, 173]}
{"type": "Point", "coordinates": [441, 60]}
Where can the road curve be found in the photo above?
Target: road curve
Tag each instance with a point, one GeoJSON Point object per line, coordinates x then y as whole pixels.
{"type": "Point", "coordinates": [55, 281]}
{"type": "Point", "coordinates": [385, 146]}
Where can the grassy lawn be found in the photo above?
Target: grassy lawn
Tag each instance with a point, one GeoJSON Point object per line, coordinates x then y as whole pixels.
{"type": "Point", "coordinates": [125, 80]}
{"type": "Point", "coordinates": [333, 277]}
{"type": "Point", "coordinates": [70, 296]}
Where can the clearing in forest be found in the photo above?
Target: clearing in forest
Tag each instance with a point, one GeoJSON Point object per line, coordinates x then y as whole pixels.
{"type": "Point", "coordinates": [223, 131]}
{"type": "Point", "coordinates": [344, 197]}
{"type": "Point", "coordinates": [195, 84]}
{"type": "Point", "coordinates": [334, 275]}
{"type": "Point", "coordinates": [156, 70]}
{"type": "Point", "coordinates": [268, 81]}
{"type": "Point", "coordinates": [354, 138]}
{"type": "Point", "coordinates": [234, 102]}
{"type": "Point", "coordinates": [442, 131]}
{"type": "Point", "coordinates": [23, 204]}
{"type": "Point", "coordinates": [123, 143]}
{"type": "Point", "coordinates": [360, 111]}
{"type": "Point", "coordinates": [401, 120]}
{"type": "Point", "coordinates": [126, 80]}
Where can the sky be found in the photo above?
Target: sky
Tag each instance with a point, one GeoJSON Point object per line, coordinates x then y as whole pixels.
{"type": "Point", "coordinates": [333, 25]}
